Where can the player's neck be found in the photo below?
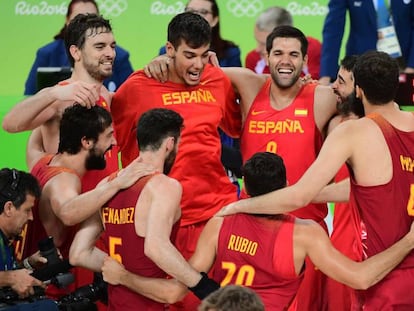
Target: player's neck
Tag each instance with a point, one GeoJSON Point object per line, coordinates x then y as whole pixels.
{"type": "Point", "coordinates": [80, 74]}
{"type": "Point", "coordinates": [74, 162]}
{"type": "Point", "coordinates": [281, 98]}
{"type": "Point", "coordinates": [385, 109]}
{"type": "Point", "coordinates": [154, 158]}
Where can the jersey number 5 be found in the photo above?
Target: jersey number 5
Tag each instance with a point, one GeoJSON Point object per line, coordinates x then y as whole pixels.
{"type": "Point", "coordinates": [113, 242]}
{"type": "Point", "coordinates": [410, 204]}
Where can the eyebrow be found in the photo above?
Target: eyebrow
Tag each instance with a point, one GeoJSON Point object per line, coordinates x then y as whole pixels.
{"type": "Point", "coordinates": [341, 78]}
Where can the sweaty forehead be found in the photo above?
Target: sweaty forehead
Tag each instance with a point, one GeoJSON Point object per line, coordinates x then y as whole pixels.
{"type": "Point", "coordinates": [93, 32]}
{"type": "Point", "coordinates": [281, 42]}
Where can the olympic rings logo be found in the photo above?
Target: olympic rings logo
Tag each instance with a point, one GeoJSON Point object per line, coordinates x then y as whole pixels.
{"type": "Point", "coordinates": [240, 8]}
{"type": "Point", "coordinates": [112, 8]}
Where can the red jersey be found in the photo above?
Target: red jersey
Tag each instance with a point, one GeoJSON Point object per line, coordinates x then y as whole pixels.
{"type": "Point", "coordinates": [204, 108]}
{"type": "Point", "coordinates": [93, 177]}
{"type": "Point", "coordinates": [346, 237]}
{"type": "Point", "coordinates": [387, 211]}
{"type": "Point", "coordinates": [256, 63]}
{"type": "Point", "coordinates": [257, 252]}
{"type": "Point", "coordinates": [291, 133]}
{"type": "Point", "coordinates": [34, 230]}
{"type": "Point", "coordinates": [120, 235]}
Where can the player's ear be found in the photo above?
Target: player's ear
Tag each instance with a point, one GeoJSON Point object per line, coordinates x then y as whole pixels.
{"type": "Point", "coordinates": [169, 49]}
{"type": "Point", "coordinates": [86, 143]}
{"type": "Point", "coordinates": [170, 143]}
{"type": "Point", "coordinates": [75, 52]}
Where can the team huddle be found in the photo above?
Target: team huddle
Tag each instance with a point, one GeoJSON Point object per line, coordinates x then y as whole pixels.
{"type": "Point", "coordinates": [167, 228]}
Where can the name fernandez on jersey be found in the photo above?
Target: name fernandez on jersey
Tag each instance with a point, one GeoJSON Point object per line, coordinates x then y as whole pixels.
{"type": "Point", "coordinates": [271, 127]}
{"type": "Point", "coordinates": [118, 216]}
{"type": "Point", "coordinates": [198, 96]}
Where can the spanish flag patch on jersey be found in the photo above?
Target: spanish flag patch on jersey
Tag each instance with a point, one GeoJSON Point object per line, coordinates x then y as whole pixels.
{"type": "Point", "coordinates": [301, 112]}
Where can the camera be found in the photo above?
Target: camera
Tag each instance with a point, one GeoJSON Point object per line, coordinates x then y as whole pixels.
{"type": "Point", "coordinates": [84, 298]}
{"type": "Point", "coordinates": [56, 271]}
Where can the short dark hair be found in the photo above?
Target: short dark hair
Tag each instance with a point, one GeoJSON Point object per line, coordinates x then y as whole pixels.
{"type": "Point", "coordinates": [77, 30]}
{"type": "Point", "coordinates": [80, 122]}
{"type": "Point", "coordinates": [377, 73]}
{"type": "Point", "coordinates": [232, 298]}
{"type": "Point", "coordinates": [191, 28]}
{"type": "Point", "coordinates": [155, 125]}
{"type": "Point", "coordinates": [15, 185]}
{"type": "Point", "coordinates": [286, 31]}
{"type": "Point", "coordinates": [264, 172]}
{"type": "Point", "coordinates": [348, 62]}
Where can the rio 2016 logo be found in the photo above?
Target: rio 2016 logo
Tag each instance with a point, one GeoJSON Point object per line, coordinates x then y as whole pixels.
{"type": "Point", "coordinates": [251, 8]}
{"type": "Point", "coordinates": [112, 8]}
{"type": "Point", "coordinates": [108, 8]}
{"type": "Point", "coordinates": [248, 8]}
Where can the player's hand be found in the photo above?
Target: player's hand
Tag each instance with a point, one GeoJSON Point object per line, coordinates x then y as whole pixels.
{"type": "Point", "coordinates": [112, 271]}
{"type": "Point", "coordinates": [308, 79]}
{"type": "Point", "coordinates": [80, 92]}
{"type": "Point", "coordinates": [23, 282]}
{"type": "Point", "coordinates": [325, 81]}
{"type": "Point", "coordinates": [212, 58]}
{"type": "Point", "coordinates": [158, 68]}
{"type": "Point", "coordinates": [134, 171]}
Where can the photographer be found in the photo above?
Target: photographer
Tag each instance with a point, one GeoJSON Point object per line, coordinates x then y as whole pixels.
{"type": "Point", "coordinates": [18, 192]}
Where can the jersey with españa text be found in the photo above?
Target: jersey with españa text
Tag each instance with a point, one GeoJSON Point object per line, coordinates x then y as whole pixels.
{"type": "Point", "coordinates": [291, 133]}
{"type": "Point", "coordinates": [127, 247]}
{"type": "Point", "coordinates": [257, 252]}
{"type": "Point", "coordinates": [204, 108]}
{"type": "Point", "coordinates": [387, 212]}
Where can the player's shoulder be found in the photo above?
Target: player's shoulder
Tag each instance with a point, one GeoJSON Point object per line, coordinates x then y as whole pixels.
{"type": "Point", "coordinates": [164, 181]}
{"type": "Point", "coordinates": [307, 228]}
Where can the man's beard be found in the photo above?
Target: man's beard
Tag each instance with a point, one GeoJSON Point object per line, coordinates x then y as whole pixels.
{"type": "Point", "coordinates": [96, 73]}
{"type": "Point", "coordinates": [95, 161]}
{"type": "Point", "coordinates": [284, 84]}
{"type": "Point", "coordinates": [169, 161]}
{"type": "Point", "coordinates": [351, 104]}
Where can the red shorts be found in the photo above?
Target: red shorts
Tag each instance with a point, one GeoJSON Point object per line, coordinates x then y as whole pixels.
{"type": "Point", "coordinates": [186, 242]}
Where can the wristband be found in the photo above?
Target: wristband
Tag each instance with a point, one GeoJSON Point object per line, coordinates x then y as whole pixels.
{"type": "Point", "coordinates": [204, 287]}
{"type": "Point", "coordinates": [26, 264]}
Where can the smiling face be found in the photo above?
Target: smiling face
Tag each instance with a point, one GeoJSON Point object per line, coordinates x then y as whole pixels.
{"type": "Point", "coordinates": [343, 86]}
{"type": "Point", "coordinates": [188, 63]}
{"type": "Point", "coordinates": [96, 157]}
{"type": "Point", "coordinates": [286, 61]}
{"type": "Point", "coordinates": [97, 54]}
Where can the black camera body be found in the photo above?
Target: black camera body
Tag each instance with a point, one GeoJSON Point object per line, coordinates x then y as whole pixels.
{"type": "Point", "coordinates": [56, 271]}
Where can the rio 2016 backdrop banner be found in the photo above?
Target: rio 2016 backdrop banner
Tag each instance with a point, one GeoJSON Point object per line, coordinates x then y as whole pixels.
{"type": "Point", "coordinates": [140, 26]}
